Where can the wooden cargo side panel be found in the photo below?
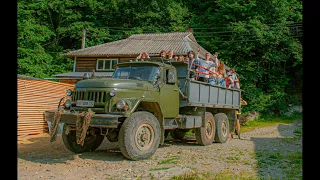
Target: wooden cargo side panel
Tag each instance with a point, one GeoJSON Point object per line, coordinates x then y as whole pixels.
{"type": "Point", "coordinates": [35, 97]}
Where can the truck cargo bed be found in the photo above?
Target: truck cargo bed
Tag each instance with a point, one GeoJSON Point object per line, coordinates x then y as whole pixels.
{"type": "Point", "coordinates": [203, 94]}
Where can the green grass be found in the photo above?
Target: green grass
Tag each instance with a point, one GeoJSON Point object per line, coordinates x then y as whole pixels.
{"type": "Point", "coordinates": [190, 133]}
{"type": "Point", "coordinates": [289, 163]}
{"type": "Point", "coordinates": [223, 175]}
{"type": "Point", "coordinates": [158, 169]}
{"type": "Point", "coordinates": [173, 160]}
{"type": "Point", "coordinates": [269, 121]}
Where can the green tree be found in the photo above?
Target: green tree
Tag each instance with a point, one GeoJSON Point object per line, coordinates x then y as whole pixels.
{"type": "Point", "coordinates": [261, 40]}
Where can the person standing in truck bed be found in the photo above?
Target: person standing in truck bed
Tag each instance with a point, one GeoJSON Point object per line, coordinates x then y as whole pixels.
{"type": "Point", "coordinates": [194, 64]}
{"type": "Point", "coordinates": [235, 79]}
{"type": "Point", "coordinates": [213, 73]}
{"type": "Point", "coordinates": [205, 68]}
{"type": "Point", "coordinates": [221, 74]}
{"type": "Point", "coordinates": [143, 56]}
{"type": "Point", "coordinates": [163, 54]}
{"type": "Point", "coordinates": [170, 55]}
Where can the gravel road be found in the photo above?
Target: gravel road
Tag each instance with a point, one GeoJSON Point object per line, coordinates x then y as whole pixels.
{"type": "Point", "coordinates": [40, 159]}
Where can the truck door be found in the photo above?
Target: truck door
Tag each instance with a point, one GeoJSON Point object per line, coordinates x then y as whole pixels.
{"type": "Point", "coordinates": [169, 94]}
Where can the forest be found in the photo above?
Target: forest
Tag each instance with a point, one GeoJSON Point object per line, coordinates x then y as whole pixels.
{"type": "Point", "coordinates": [261, 39]}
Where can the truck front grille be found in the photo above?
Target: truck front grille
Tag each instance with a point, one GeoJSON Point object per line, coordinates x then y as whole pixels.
{"type": "Point", "coordinates": [96, 96]}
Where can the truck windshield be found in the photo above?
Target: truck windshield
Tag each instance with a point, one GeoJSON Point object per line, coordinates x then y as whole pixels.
{"type": "Point", "coordinates": [144, 73]}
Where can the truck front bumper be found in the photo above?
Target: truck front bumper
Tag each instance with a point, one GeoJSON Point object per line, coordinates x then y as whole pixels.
{"type": "Point", "coordinates": [97, 120]}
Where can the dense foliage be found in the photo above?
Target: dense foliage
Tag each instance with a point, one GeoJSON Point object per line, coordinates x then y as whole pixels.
{"type": "Point", "coordinates": [261, 39]}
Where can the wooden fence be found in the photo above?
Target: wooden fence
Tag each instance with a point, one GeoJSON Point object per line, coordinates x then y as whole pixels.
{"type": "Point", "coordinates": [34, 97]}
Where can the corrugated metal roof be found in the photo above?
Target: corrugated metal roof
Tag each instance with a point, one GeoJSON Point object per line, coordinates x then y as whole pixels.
{"type": "Point", "coordinates": [27, 77]}
{"type": "Point", "coordinates": [80, 74]}
{"type": "Point", "coordinates": [179, 42]}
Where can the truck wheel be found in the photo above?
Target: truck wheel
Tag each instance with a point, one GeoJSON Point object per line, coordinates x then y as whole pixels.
{"type": "Point", "coordinates": [91, 142]}
{"type": "Point", "coordinates": [222, 132]}
{"type": "Point", "coordinates": [205, 135]}
{"type": "Point", "coordinates": [139, 136]}
{"type": "Point", "coordinates": [178, 133]}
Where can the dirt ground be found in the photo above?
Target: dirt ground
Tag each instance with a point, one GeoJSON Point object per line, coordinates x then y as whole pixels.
{"type": "Point", "coordinates": [40, 159]}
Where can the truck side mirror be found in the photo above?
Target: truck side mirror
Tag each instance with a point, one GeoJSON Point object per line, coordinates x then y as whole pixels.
{"type": "Point", "coordinates": [171, 79]}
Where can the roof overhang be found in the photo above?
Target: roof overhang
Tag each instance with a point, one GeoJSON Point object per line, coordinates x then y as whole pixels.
{"type": "Point", "coordinates": [79, 75]}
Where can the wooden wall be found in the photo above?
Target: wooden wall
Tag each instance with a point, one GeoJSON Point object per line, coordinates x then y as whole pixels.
{"type": "Point", "coordinates": [89, 64]}
{"type": "Point", "coordinates": [34, 97]}
{"type": "Point", "coordinates": [86, 64]}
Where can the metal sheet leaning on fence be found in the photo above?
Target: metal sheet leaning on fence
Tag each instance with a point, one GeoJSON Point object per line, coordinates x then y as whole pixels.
{"type": "Point", "coordinates": [82, 125]}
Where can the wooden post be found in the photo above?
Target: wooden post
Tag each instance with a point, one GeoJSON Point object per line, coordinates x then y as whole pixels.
{"type": "Point", "coordinates": [83, 44]}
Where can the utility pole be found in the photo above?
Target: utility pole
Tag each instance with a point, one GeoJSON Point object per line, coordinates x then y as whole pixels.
{"type": "Point", "coordinates": [83, 44]}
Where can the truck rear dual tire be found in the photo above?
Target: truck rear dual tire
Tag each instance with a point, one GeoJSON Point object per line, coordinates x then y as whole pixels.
{"type": "Point", "coordinates": [223, 130]}
{"type": "Point", "coordinates": [92, 140]}
{"type": "Point", "coordinates": [139, 136]}
{"type": "Point", "coordinates": [205, 135]}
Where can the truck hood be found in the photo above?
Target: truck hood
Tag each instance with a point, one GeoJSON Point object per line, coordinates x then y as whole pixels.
{"type": "Point", "coordinates": [114, 83]}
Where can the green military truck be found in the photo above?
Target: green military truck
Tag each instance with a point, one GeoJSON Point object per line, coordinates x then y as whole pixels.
{"type": "Point", "coordinates": [140, 105]}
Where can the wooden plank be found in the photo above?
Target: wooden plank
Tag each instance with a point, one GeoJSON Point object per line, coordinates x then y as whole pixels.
{"type": "Point", "coordinates": [39, 118]}
{"type": "Point", "coordinates": [34, 98]}
{"type": "Point", "coordinates": [43, 122]}
{"type": "Point", "coordinates": [43, 102]}
{"type": "Point", "coordinates": [29, 105]}
{"type": "Point", "coordinates": [31, 125]}
{"type": "Point", "coordinates": [83, 58]}
{"type": "Point", "coordinates": [84, 69]}
{"type": "Point", "coordinates": [83, 63]}
{"type": "Point", "coordinates": [43, 89]}
{"type": "Point", "coordinates": [41, 81]}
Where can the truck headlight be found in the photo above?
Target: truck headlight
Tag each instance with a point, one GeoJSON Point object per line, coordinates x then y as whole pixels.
{"type": "Point", "coordinates": [69, 92]}
{"type": "Point", "coordinates": [121, 104]}
{"type": "Point", "coordinates": [113, 92]}
{"type": "Point", "coordinates": [68, 103]}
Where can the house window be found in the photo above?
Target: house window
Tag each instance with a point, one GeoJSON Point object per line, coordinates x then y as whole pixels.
{"type": "Point", "coordinates": [106, 64]}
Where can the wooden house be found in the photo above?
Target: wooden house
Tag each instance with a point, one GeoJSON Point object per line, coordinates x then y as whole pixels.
{"type": "Point", "coordinates": [101, 58]}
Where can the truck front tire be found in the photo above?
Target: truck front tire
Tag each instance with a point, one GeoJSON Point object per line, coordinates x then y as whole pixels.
{"type": "Point", "coordinates": [139, 136]}
{"type": "Point", "coordinates": [91, 142]}
{"type": "Point", "coordinates": [205, 135]}
{"type": "Point", "coordinates": [222, 132]}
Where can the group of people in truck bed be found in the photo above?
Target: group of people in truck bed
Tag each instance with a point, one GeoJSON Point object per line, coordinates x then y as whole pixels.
{"type": "Point", "coordinates": [209, 70]}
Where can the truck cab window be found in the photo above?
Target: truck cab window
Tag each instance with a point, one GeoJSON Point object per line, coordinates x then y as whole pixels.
{"type": "Point", "coordinates": [144, 73]}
